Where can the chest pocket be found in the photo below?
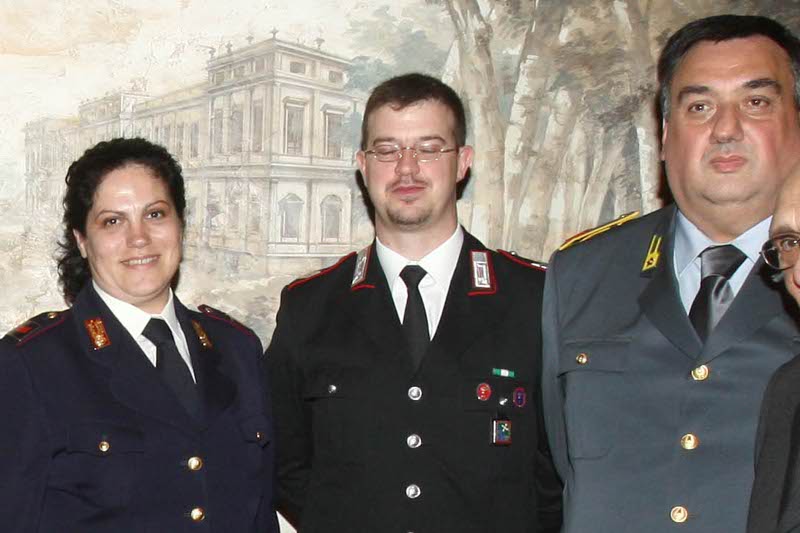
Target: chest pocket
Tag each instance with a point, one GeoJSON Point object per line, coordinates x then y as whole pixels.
{"type": "Point", "coordinates": [333, 398]}
{"type": "Point", "coordinates": [257, 434]}
{"type": "Point", "coordinates": [592, 377]}
{"type": "Point", "coordinates": [100, 463]}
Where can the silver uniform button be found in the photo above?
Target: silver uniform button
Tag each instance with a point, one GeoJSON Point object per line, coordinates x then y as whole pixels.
{"type": "Point", "coordinates": [332, 389]}
{"type": "Point", "coordinates": [413, 491]}
{"type": "Point", "coordinates": [415, 393]}
{"type": "Point", "coordinates": [414, 441]}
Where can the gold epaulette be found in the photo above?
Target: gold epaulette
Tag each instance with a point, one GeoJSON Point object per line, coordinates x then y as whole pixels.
{"type": "Point", "coordinates": [589, 233]}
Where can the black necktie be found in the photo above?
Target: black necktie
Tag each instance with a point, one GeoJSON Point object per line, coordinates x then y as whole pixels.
{"type": "Point", "coordinates": [717, 265]}
{"type": "Point", "coordinates": [173, 369]}
{"type": "Point", "coordinates": [415, 321]}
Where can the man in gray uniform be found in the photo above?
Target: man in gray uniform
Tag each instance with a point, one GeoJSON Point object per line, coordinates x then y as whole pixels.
{"type": "Point", "coordinates": [660, 334]}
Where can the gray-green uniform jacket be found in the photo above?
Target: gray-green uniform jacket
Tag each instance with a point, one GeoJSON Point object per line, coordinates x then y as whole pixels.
{"type": "Point", "coordinates": [650, 430]}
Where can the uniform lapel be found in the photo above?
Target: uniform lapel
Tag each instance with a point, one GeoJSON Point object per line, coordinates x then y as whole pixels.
{"type": "Point", "coordinates": [133, 381]}
{"type": "Point", "coordinates": [758, 301]}
{"type": "Point", "coordinates": [660, 300]}
{"type": "Point", "coordinates": [217, 389]}
{"type": "Point", "coordinates": [467, 313]}
{"type": "Point", "coordinates": [370, 306]}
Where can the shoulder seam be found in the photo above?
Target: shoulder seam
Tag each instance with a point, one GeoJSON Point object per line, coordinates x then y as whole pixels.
{"type": "Point", "coordinates": [302, 281]}
{"type": "Point", "coordinates": [534, 265]}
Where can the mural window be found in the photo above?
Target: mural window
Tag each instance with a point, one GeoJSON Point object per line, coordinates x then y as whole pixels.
{"type": "Point", "coordinates": [258, 125]}
{"type": "Point", "coordinates": [238, 72]}
{"type": "Point", "coordinates": [216, 131]}
{"type": "Point", "coordinates": [334, 135]}
{"type": "Point", "coordinates": [237, 128]}
{"type": "Point", "coordinates": [331, 210]}
{"type": "Point", "coordinates": [254, 213]}
{"type": "Point", "coordinates": [334, 76]}
{"type": "Point", "coordinates": [167, 142]}
{"type": "Point", "coordinates": [293, 121]}
{"type": "Point", "coordinates": [179, 140]}
{"type": "Point", "coordinates": [297, 67]}
{"type": "Point", "coordinates": [194, 140]}
{"type": "Point", "coordinates": [260, 64]}
{"type": "Point", "coordinates": [215, 217]}
{"type": "Point", "coordinates": [219, 78]}
{"type": "Point", "coordinates": [291, 211]}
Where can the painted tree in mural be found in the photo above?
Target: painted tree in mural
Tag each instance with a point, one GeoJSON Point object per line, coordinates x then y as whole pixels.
{"type": "Point", "coordinates": [561, 101]}
{"type": "Point", "coordinates": [579, 143]}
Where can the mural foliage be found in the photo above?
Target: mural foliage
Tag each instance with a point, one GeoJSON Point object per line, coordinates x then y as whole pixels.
{"type": "Point", "coordinates": [262, 104]}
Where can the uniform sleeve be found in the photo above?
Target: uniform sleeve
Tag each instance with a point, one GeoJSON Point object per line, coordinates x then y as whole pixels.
{"type": "Point", "coordinates": [548, 485]}
{"type": "Point", "coordinates": [292, 423]}
{"type": "Point", "coordinates": [552, 395]}
{"type": "Point", "coordinates": [24, 456]}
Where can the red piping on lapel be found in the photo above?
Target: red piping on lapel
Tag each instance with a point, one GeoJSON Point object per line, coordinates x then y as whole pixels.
{"type": "Point", "coordinates": [301, 281]}
{"type": "Point", "coordinates": [42, 330]}
{"type": "Point", "coordinates": [362, 286]}
{"type": "Point", "coordinates": [493, 289]}
{"type": "Point", "coordinates": [519, 261]}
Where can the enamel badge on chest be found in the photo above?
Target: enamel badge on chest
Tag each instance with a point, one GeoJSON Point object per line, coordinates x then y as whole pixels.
{"type": "Point", "coordinates": [501, 432]}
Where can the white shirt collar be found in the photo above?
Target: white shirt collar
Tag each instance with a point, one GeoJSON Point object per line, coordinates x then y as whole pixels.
{"type": "Point", "coordinates": [134, 319]}
{"type": "Point", "coordinates": [690, 242]}
{"type": "Point", "coordinates": [440, 263]}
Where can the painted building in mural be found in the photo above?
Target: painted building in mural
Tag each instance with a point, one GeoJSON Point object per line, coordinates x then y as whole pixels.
{"type": "Point", "coordinates": [268, 163]}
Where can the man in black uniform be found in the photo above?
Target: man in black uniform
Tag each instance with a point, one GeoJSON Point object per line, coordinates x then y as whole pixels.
{"type": "Point", "coordinates": [406, 376]}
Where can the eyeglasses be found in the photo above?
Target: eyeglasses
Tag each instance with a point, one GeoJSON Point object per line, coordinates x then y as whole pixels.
{"type": "Point", "coordinates": [781, 251]}
{"type": "Point", "coordinates": [425, 152]}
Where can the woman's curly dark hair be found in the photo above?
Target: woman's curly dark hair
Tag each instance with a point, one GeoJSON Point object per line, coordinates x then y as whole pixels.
{"type": "Point", "coordinates": [83, 178]}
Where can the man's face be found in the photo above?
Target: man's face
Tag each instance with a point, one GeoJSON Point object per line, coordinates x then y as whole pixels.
{"type": "Point", "coordinates": [408, 194]}
{"type": "Point", "coordinates": [732, 134]}
{"type": "Point", "coordinates": [786, 223]}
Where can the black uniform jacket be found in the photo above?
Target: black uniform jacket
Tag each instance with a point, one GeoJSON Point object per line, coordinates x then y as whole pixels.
{"type": "Point", "coordinates": [368, 444]}
{"type": "Point", "coordinates": [92, 440]}
{"type": "Point", "coordinates": [775, 501]}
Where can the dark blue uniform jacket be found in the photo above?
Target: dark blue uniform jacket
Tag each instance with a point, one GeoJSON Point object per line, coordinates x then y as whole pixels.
{"type": "Point", "coordinates": [91, 439]}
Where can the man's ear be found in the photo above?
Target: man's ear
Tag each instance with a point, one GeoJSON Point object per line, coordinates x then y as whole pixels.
{"type": "Point", "coordinates": [465, 154]}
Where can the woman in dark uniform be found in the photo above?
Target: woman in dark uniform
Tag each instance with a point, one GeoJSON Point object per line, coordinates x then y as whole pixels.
{"type": "Point", "coordinates": [128, 412]}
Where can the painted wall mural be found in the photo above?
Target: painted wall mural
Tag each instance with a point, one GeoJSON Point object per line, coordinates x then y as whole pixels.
{"type": "Point", "coordinates": [261, 101]}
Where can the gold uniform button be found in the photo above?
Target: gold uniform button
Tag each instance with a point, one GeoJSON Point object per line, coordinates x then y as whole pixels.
{"type": "Point", "coordinates": [104, 446]}
{"type": "Point", "coordinates": [700, 373]}
{"type": "Point", "coordinates": [689, 442]}
{"type": "Point", "coordinates": [198, 514]}
{"type": "Point", "coordinates": [679, 514]}
{"type": "Point", "coordinates": [582, 358]}
{"type": "Point", "coordinates": [194, 463]}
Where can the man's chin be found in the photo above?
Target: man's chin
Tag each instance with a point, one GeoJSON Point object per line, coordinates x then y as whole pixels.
{"type": "Point", "coordinates": [408, 220]}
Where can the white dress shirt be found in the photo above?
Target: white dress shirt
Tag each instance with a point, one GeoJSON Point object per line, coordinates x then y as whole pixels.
{"type": "Point", "coordinates": [689, 244]}
{"type": "Point", "coordinates": [134, 320]}
{"type": "Point", "coordinates": [439, 265]}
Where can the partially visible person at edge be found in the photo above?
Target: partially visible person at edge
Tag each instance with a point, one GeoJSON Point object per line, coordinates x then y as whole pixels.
{"type": "Point", "coordinates": [406, 376]}
{"type": "Point", "coordinates": [660, 334]}
{"type": "Point", "coordinates": [129, 412]}
{"type": "Point", "coordinates": [775, 502]}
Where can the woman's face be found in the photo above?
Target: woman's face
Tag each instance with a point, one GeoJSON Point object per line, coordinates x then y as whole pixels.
{"type": "Point", "coordinates": [133, 237]}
